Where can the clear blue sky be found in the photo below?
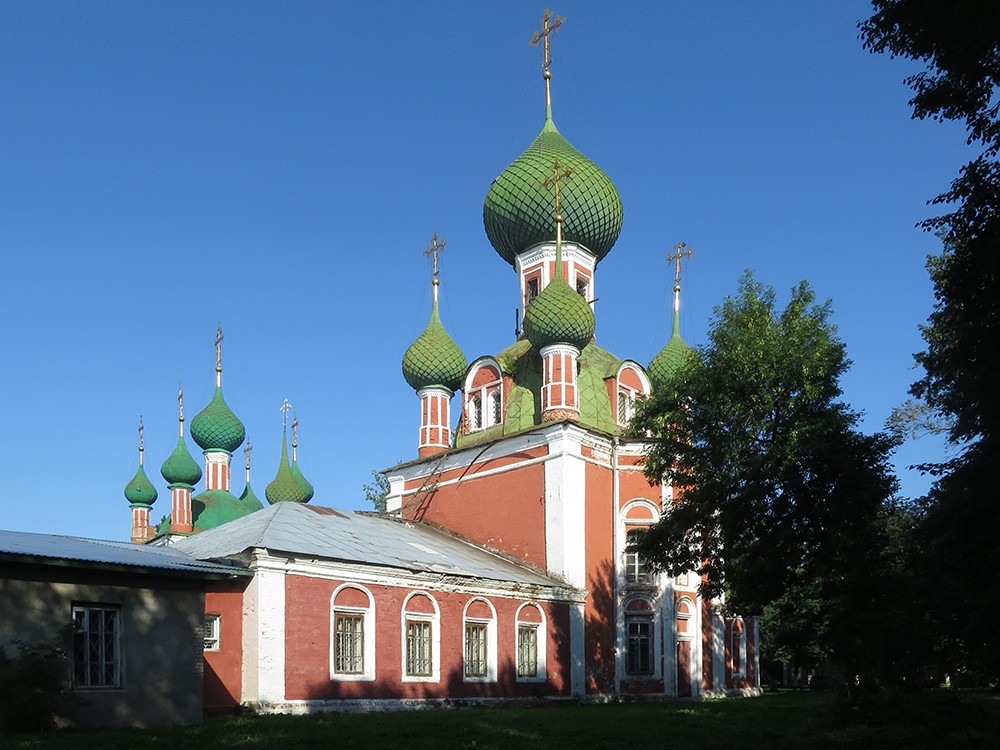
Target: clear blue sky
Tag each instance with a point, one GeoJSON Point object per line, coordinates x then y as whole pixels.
{"type": "Point", "coordinates": [279, 167]}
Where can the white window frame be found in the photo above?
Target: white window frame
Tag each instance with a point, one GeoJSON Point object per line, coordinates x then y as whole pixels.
{"type": "Point", "coordinates": [541, 639]}
{"type": "Point", "coordinates": [637, 569]}
{"type": "Point", "coordinates": [485, 395]}
{"type": "Point", "coordinates": [367, 614]}
{"type": "Point", "coordinates": [89, 623]}
{"type": "Point", "coordinates": [434, 619]}
{"type": "Point", "coordinates": [213, 631]}
{"type": "Point", "coordinates": [631, 395]}
{"type": "Point", "coordinates": [738, 644]}
{"type": "Point", "coordinates": [490, 642]}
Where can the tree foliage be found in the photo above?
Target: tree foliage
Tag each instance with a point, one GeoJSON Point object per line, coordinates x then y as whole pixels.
{"type": "Point", "coordinates": [959, 44]}
{"type": "Point", "coordinates": [776, 489]}
{"type": "Point", "coordinates": [377, 492]}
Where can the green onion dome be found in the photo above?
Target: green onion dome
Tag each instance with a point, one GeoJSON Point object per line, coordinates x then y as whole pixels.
{"type": "Point", "coordinates": [140, 491]}
{"type": "Point", "coordinates": [249, 499]}
{"type": "Point", "coordinates": [307, 488]}
{"type": "Point", "coordinates": [671, 358]}
{"type": "Point", "coordinates": [180, 468]}
{"type": "Point", "coordinates": [434, 358]}
{"type": "Point", "coordinates": [517, 212]}
{"type": "Point", "coordinates": [559, 315]}
{"type": "Point", "coordinates": [213, 508]}
{"type": "Point", "coordinates": [284, 488]}
{"type": "Point", "coordinates": [216, 427]}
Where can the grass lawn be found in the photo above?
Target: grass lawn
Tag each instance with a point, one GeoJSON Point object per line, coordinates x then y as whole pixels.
{"type": "Point", "coordinates": [799, 721]}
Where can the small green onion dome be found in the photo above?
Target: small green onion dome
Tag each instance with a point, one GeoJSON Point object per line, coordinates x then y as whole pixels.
{"type": "Point", "coordinates": [216, 427]}
{"type": "Point", "coordinates": [249, 499]}
{"type": "Point", "coordinates": [140, 491]}
{"type": "Point", "coordinates": [180, 468]}
{"type": "Point", "coordinates": [302, 482]}
{"type": "Point", "coordinates": [213, 508]}
{"type": "Point", "coordinates": [434, 358]}
{"type": "Point", "coordinates": [517, 212]}
{"type": "Point", "coordinates": [284, 488]}
{"type": "Point", "coordinates": [559, 315]}
{"type": "Point", "coordinates": [671, 358]}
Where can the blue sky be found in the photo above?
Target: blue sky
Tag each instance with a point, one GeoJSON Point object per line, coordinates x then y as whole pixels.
{"type": "Point", "coordinates": [279, 167]}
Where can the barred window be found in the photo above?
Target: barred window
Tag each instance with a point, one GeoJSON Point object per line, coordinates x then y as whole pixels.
{"type": "Point", "coordinates": [97, 646]}
{"type": "Point", "coordinates": [636, 567]}
{"type": "Point", "coordinates": [349, 644]}
{"type": "Point", "coordinates": [475, 649]}
{"type": "Point", "coordinates": [418, 648]}
{"type": "Point", "coordinates": [211, 632]}
{"type": "Point", "coordinates": [527, 650]}
{"type": "Point", "coordinates": [496, 411]}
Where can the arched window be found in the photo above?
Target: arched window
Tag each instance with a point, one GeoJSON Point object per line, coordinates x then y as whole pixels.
{"type": "Point", "coordinates": [480, 648]}
{"type": "Point", "coordinates": [637, 515]}
{"type": "Point", "coordinates": [636, 568]}
{"type": "Point", "coordinates": [531, 640]}
{"type": "Point", "coordinates": [421, 634]}
{"type": "Point", "coordinates": [352, 637]}
{"type": "Point", "coordinates": [484, 395]}
{"type": "Point", "coordinates": [476, 412]}
{"type": "Point", "coordinates": [633, 385]}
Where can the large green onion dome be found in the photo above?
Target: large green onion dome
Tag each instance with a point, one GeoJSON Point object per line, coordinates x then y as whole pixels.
{"type": "Point", "coordinates": [517, 212]}
{"type": "Point", "coordinates": [140, 491]}
{"type": "Point", "coordinates": [434, 358]}
{"type": "Point", "coordinates": [671, 358]}
{"type": "Point", "coordinates": [180, 468]}
{"type": "Point", "coordinates": [216, 427]}
{"type": "Point", "coordinates": [284, 488]}
{"type": "Point", "coordinates": [559, 315]}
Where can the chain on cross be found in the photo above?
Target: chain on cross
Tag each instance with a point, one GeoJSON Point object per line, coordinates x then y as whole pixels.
{"type": "Point", "coordinates": [681, 251]}
{"type": "Point", "coordinates": [435, 247]}
{"type": "Point", "coordinates": [559, 172]}
{"type": "Point", "coordinates": [543, 37]}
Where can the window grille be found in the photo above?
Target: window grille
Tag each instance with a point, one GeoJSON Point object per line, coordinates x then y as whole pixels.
{"type": "Point", "coordinates": [348, 645]}
{"type": "Point", "coordinates": [418, 648]}
{"type": "Point", "coordinates": [96, 646]}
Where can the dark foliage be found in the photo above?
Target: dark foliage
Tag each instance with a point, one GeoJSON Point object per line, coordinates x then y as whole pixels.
{"type": "Point", "coordinates": [32, 686]}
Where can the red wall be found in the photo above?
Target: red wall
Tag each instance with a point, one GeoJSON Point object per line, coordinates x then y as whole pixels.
{"type": "Point", "coordinates": [224, 668]}
{"type": "Point", "coordinates": [307, 647]}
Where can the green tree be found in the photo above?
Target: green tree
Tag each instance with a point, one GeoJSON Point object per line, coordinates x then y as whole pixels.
{"type": "Point", "coordinates": [377, 492]}
{"type": "Point", "coordinates": [959, 45]}
{"type": "Point", "coordinates": [779, 492]}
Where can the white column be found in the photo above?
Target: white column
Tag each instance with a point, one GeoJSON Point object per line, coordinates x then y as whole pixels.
{"type": "Point", "coordinates": [565, 517]}
{"type": "Point", "coordinates": [264, 634]}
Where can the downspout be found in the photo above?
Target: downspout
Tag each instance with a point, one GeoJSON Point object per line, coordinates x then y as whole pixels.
{"type": "Point", "coordinates": [617, 536]}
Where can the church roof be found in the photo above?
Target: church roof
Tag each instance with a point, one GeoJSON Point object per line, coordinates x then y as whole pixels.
{"type": "Point", "coordinates": [216, 427]}
{"type": "Point", "coordinates": [368, 539]}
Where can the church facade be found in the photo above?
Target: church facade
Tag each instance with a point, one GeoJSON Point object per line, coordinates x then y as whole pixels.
{"type": "Point", "coordinates": [502, 567]}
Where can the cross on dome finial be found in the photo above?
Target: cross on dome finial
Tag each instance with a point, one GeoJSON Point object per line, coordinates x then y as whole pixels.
{"type": "Point", "coordinates": [180, 409]}
{"type": "Point", "coordinates": [543, 37]}
{"type": "Point", "coordinates": [681, 251]}
{"type": "Point", "coordinates": [434, 248]}
{"type": "Point", "coordinates": [285, 408]}
{"type": "Point", "coordinates": [246, 455]}
{"type": "Point", "coordinates": [141, 449]}
{"type": "Point", "coordinates": [295, 430]}
{"type": "Point", "coordinates": [558, 173]}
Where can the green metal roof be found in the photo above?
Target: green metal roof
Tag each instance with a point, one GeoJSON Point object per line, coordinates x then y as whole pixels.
{"type": "Point", "coordinates": [180, 468]}
{"type": "Point", "coordinates": [307, 488]}
{"type": "Point", "coordinates": [213, 508]}
{"type": "Point", "coordinates": [216, 427]}
{"type": "Point", "coordinates": [140, 491]}
{"type": "Point", "coordinates": [434, 358]}
{"type": "Point", "coordinates": [517, 213]}
{"type": "Point", "coordinates": [671, 357]}
{"type": "Point", "coordinates": [249, 499]}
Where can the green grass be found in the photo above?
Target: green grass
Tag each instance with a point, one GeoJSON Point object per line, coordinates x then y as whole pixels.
{"type": "Point", "coordinates": [794, 721]}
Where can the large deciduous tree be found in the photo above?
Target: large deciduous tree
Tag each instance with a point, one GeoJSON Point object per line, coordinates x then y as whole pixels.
{"type": "Point", "coordinates": [959, 44]}
{"type": "Point", "coordinates": [778, 491]}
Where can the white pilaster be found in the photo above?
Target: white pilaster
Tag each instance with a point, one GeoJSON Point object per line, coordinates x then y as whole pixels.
{"type": "Point", "coordinates": [578, 654]}
{"type": "Point", "coordinates": [264, 634]}
{"type": "Point", "coordinates": [718, 650]}
{"type": "Point", "coordinates": [565, 494]}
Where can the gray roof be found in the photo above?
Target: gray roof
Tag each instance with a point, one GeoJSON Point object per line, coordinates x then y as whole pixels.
{"type": "Point", "coordinates": [358, 538]}
{"type": "Point", "coordinates": [51, 549]}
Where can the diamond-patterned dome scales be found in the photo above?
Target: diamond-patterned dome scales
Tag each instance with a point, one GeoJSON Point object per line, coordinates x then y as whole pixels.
{"type": "Point", "coordinates": [517, 213]}
{"type": "Point", "coordinates": [434, 358]}
{"type": "Point", "coordinates": [216, 427]}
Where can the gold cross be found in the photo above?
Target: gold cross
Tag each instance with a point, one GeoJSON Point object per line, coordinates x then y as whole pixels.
{"type": "Point", "coordinates": [543, 37]}
{"type": "Point", "coordinates": [435, 247]}
{"type": "Point", "coordinates": [679, 253]}
{"type": "Point", "coordinates": [285, 408]}
{"type": "Point", "coordinates": [558, 173]}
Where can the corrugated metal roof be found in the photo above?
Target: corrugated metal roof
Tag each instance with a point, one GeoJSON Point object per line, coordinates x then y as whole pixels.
{"type": "Point", "coordinates": [51, 548]}
{"type": "Point", "coordinates": [358, 538]}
